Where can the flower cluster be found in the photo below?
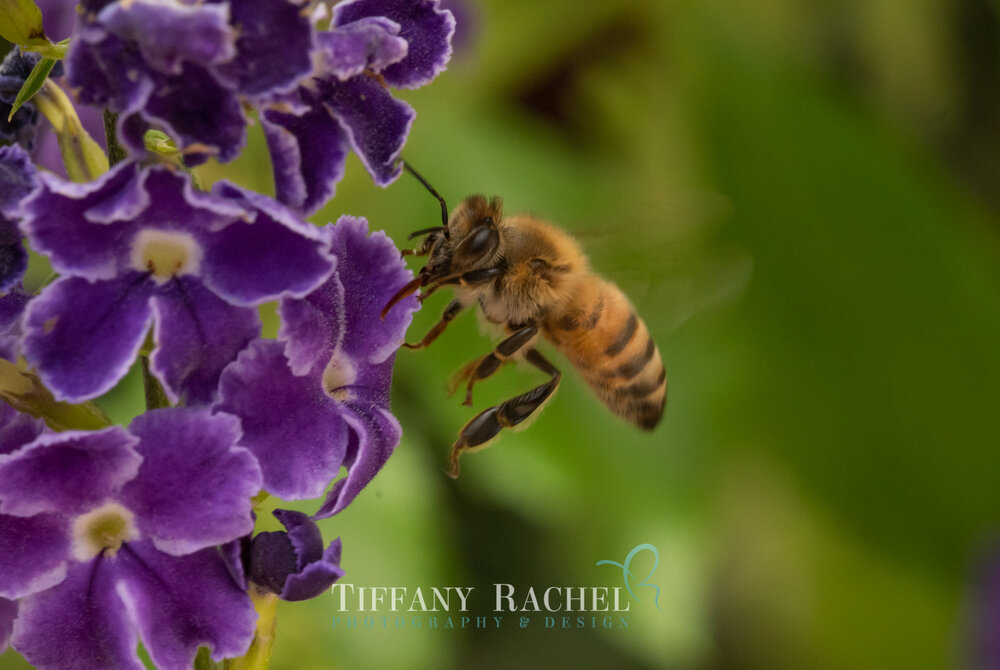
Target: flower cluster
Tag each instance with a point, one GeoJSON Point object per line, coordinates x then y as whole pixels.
{"type": "Point", "coordinates": [111, 535]}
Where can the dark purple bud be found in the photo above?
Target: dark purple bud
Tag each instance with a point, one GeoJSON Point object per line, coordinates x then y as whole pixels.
{"type": "Point", "coordinates": [293, 563]}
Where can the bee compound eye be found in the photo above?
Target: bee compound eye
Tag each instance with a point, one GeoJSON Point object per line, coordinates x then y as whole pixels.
{"type": "Point", "coordinates": [480, 242]}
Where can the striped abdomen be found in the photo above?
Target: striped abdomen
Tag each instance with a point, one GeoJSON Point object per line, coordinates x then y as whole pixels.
{"type": "Point", "coordinates": [607, 342]}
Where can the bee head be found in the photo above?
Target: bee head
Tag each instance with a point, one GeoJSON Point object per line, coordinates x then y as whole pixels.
{"type": "Point", "coordinates": [473, 232]}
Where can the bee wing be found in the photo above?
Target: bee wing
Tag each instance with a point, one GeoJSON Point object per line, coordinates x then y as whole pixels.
{"type": "Point", "coordinates": [669, 275]}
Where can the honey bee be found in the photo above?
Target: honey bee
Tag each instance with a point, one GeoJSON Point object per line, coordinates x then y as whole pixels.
{"type": "Point", "coordinates": [532, 279]}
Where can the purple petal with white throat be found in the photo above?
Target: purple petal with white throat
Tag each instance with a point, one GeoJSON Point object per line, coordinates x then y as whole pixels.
{"type": "Point", "coordinates": [67, 473]}
{"type": "Point", "coordinates": [85, 229]}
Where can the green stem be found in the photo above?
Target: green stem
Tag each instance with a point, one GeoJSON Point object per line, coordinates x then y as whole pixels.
{"type": "Point", "coordinates": [155, 396]}
{"type": "Point", "coordinates": [116, 152]}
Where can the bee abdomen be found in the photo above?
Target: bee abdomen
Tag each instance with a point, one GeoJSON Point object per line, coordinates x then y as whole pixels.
{"type": "Point", "coordinates": [618, 358]}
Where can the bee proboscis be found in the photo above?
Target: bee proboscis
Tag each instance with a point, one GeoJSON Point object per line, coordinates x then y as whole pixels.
{"type": "Point", "coordinates": [531, 278]}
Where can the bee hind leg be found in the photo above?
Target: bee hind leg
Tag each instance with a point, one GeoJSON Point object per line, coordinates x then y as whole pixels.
{"type": "Point", "coordinates": [520, 339]}
{"type": "Point", "coordinates": [485, 427]}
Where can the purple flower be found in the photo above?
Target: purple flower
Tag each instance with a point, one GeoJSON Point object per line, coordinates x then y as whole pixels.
{"type": "Point", "coordinates": [318, 398]}
{"type": "Point", "coordinates": [12, 306]}
{"type": "Point", "coordinates": [183, 66]}
{"type": "Point", "coordinates": [142, 246]}
{"type": "Point", "coordinates": [17, 179]}
{"type": "Point", "coordinates": [373, 44]}
{"type": "Point", "coordinates": [14, 70]}
{"type": "Point", "coordinates": [108, 536]}
{"type": "Point", "coordinates": [293, 563]}
{"type": "Point", "coordinates": [983, 634]}
{"type": "Point", "coordinates": [8, 612]}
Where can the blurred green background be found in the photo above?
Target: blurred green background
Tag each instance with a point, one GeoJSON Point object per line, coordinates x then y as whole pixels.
{"type": "Point", "coordinates": [801, 198]}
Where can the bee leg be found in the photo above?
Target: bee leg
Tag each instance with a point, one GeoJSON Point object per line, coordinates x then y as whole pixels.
{"type": "Point", "coordinates": [485, 426]}
{"type": "Point", "coordinates": [450, 312]}
{"type": "Point", "coordinates": [470, 278]}
{"type": "Point", "coordinates": [491, 362]}
{"type": "Point", "coordinates": [426, 246]}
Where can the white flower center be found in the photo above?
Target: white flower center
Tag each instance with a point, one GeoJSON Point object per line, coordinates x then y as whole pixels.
{"type": "Point", "coordinates": [338, 375]}
{"type": "Point", "coordinates": [165, 253]}
{"type": "Point", "coordinates": [103, 530]}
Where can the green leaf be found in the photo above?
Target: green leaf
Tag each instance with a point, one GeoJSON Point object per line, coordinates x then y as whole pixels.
{"type": "Point", "coordinates": [24, 391]}
{"type": "Point", "coordinates": [21, 23]}
{"type": "Point", "coordinates": [32, 84]}
{"type": "Point", "coordinates": [84, 158]}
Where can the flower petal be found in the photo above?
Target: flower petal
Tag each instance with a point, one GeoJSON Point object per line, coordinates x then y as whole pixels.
{"type": "Point", "coordinates": [8, 612]}
{"type": "Point", "coordinates": [193, 489]}
{"type": "Point", "coordinates": [13, 256]}
{"type": "Point", "coordinates": [79, 623]}
{"type": "Point", "coordinates": [368, 43]}
{"type": "Point", "coordinates": [372, 271]}
{"type": "Point", "coordinates": [67, 473]}
{"type": "Point", "coordinates": [33, 553]}
{"type": "Point", "coordinates": [197, 335]}
{"type": "Point", "coordinates": [308, 150]}
{"type": "Point", "coordinates": [374, 436]}
{"type": "Point", "coordinates": [375, 122]}
{"type": "Point", "coordinates": [17, 429]}
{"type": "Point", "coordinates": [293, 428]}
{"type": "Point", "coordinates": [268, 28]}
{"type": "Point", "coordinates": [196, 110]}
{"type": "Point", "coordinates": [313, 327]}
{"type": "Point", "coordinates": [17, 179]}
{"type": "Point", "coordinates": [200, 33]}
{"type": "Point", "coordinates": [179, 603]}
{"type": "Point", "coordinates": [275, 254]}
{"type": "Point", "coordinates": [85, 229]}
{"type": "Point", "coordinates": [83, 337]}
{"type": "Point", "coordinates": [293, 563]}
{"type": "Point", "coordinates": [106, 71]}
{"type": "Point", "coordinates": [426, 28]}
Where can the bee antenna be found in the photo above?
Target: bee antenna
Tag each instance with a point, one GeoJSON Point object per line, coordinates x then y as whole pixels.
{"type": "Point", "coordinates": [444, 207]}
